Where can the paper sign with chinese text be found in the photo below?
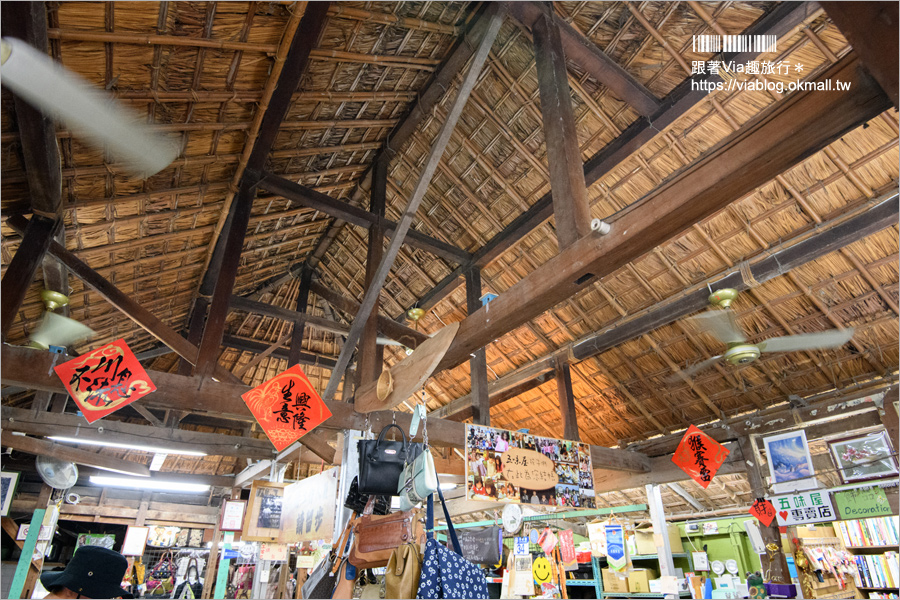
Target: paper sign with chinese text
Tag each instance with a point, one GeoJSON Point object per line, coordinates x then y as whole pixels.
{"type": "Point", "coordinates": [764, 511]}
{"type": "Point", "coordinates": [512, 466]}
{"type": "Point", "coordinates": [287, 407]}
{"type": "Point", "coordinates": [308, 508]}
{"type": "Point", "coordinates": [273, 552]}
{"type": "Point", "coordinates": [699, 456]}
{"type": "Point", "coordinates": [105, 380]}
{"type": "Point", "coordinates": [567, 550]}
{"type": "Point", "coordinates": [801, 508]}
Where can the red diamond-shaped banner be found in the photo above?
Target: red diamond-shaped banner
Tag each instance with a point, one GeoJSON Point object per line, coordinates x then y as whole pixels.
{"type": "Point", "coordinates": [699, 456]}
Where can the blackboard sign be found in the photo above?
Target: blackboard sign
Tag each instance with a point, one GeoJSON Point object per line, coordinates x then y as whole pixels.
{"type": "Point", "coordinates": [481, 546]}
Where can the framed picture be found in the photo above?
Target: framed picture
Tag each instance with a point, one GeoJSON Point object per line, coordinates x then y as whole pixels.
{"type": "Point", "coordinates": [233, 515]}
{"type": "Point", "coordinates": [790, 464]}
{"type": "Point", "coordinates": [864, 457]}
{"type": "Point", "coordinates": [9, 481]}
{"type": "Point", "coordinates": [135, 541]}
{"type": "Point", "coordinates": [263, 521]}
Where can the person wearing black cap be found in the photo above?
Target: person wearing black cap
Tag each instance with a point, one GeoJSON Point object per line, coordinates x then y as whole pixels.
{"type": "Point", "coordinates": [93, 572]}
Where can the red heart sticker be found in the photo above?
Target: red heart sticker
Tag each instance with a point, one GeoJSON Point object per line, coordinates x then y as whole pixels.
{"type": "Point", "coordinates": [783, 514]}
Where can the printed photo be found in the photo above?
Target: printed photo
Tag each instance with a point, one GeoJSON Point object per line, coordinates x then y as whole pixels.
{"type": "Point", "coordinates": [789, 459]}
{"type": "Point", "coordinates": [866, 457]}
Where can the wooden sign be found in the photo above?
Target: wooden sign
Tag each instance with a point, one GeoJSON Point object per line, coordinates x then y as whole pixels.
{"type": "Point", "coordinates": [801, 508]}
{"type": "Point", "coordinates": [263, 520]}
{"type": "Point", "coordinates": [511, 466]}
{"type": "Point", "coordinates": [105, 380]}
{"type": "Point", "coordinates": [287, 407]}
{"type": "Point", "coordinates": [308, 508]}
{"type": "Point", "coordinates": [764, 511]}
{"type": "Point", "coordinates": [699, 456]}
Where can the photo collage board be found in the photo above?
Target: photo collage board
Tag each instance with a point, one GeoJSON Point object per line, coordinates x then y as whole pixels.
{"type": "Point", "coordinates": [512, 466]}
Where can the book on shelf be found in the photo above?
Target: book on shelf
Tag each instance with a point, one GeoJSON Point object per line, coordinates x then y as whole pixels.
{"type": "Point", "coordinates": [877, 570]}
{"type": "Point", "coordinates": [876, 531]}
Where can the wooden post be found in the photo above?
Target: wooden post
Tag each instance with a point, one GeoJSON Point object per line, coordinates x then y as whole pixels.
{"type": "Point", "coordinates": [222, 572]}
{"type": "Point", "coordinates": [777, 568]}
{"type": "Point", "coordinates": [570, 202]}
{"type": "Point", "coordinates": [370, 357]}
{"type": "Point", "coordinates": [297, 332]}
{"type": "Point", "coordinates": [25, 576]}
{"type": "Point", "coordinates": [18, 276]}
{"type": "Point", "coordinates": [566, 399]}
{"type": "Point", "coordinates": [195, 332]}
{"type": "Point", "coordinates": [889, 413]}
{"type": "Point", "coordinates": [481, 402]}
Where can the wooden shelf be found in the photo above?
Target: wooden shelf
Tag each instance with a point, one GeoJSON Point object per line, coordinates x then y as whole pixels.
{"type": "Point", "coordinates": [887, 547]}
{"type": "Point", "coordinates": [877, 588]}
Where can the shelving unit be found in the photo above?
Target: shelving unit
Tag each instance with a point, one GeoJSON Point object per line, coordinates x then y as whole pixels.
{"type": "Point", "coordinates": [640, 557]}
{"type": "Point", "coordinates": [876, 530]}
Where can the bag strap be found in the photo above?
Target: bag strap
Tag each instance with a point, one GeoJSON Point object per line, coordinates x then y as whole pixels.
{"type": "Point", "coordinates": [370, 506]}
{"type": "Point", "coordinates": [429, 521]}
{"type": "Point", "coordinates": [384, 433]}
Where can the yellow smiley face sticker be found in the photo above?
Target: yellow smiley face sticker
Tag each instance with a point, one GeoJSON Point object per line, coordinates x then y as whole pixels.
{"type": "Point", "coordinates": [541, 570]}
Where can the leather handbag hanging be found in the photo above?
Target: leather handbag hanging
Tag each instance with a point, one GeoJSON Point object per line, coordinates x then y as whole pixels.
{"type": "Point", "coordinates": [381, 462]}
{"type": "Point", "coordinates": [345, 581]}
{"type": "Point", "coordinates": [401, 578]}
{"type": "Point", "coordinates": [481, 546]}
{"type": "Point", "coordinates": [357, 502]}
{"type": "Point", "coordinates": [376, 536]}
{"type": "Point", "coordinates": [323, 578]}
{"type": "Point", "coordinates": [418, 480]}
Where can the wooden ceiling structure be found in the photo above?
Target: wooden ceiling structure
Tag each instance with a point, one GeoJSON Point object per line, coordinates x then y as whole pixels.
{"type": "Point", "coordinates": [305, 128]}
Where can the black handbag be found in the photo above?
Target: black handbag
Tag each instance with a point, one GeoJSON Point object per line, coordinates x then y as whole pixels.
{"type": "Point", "coordinates": [481, 546]}
{"type": "Point", "coordinates": [323, 578]}
{"type": "Point", "coordinates": [381, 462]}
{"type": "Point", "coordinates": [357, 502]}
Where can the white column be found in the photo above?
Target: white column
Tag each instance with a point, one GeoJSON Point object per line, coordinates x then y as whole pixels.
{"type": "Point", "coordinates": [660, 530]}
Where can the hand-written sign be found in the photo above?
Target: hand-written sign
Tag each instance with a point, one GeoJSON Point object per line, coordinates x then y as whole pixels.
{"type": "Point", "coordinates": [699, 456]}
{"type": "Point", "coordinates": [308, 508]}
{"type": "Point", "coordinates": [273, 552]}
{"type": "Point", "coordinates": [801, 508]}
{"type": "Point", "coordinates": [287, 407]}
{"type": "Point", "coordinates": [567, 550]}
{"type": "Point", "coordinates": [862, 503]}
{"type": "Point", "coordinates": [105, 380]}
{"type": "Point", "coordinates": [763, 510]}
{"type": "Point", "coordinates": [529, 469]}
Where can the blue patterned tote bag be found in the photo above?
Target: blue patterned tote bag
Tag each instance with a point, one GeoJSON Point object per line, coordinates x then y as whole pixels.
{"type": "Point", "coordinates": [445, 573]}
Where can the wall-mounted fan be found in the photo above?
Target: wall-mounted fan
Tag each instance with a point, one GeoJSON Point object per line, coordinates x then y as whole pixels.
{"type": "Point", "coordinates": [57, 330]}
{"type": "Point", "coordinates": [85, 110]}
{"type": "Point", "coordinates": [58, 474]}
{"type": "Point", "coordinates": [721, 324]}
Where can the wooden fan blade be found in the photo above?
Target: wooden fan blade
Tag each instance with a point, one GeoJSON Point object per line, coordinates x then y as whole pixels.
{"type": "Point", "coordinates": [409, 374]}
{"type": "Point", "coordinates": [833, 338]}
{"type": "Point", "coordinates": [721, 324]}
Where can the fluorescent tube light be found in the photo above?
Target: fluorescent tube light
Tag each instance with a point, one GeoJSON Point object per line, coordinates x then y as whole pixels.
{"type": "Point", "coordinates": [149, 484]}
{"type": "Point", "coordinates": [151, 449]}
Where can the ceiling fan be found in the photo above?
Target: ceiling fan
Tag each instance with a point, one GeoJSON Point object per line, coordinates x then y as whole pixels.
{"type": "Point", "coordinates": [84, 109]}
{"type": "Point", "coordinates": [721, 324]}
{"type": "Point", "coordinates": [55, 329]}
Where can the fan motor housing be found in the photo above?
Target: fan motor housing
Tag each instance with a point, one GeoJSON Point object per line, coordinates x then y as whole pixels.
{"type": "Point", "coordinates": [742, 354]}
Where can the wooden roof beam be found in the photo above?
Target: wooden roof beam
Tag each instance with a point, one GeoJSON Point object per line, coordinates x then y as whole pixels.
{"type": "Point", "coordinates": [42, 447]}
{"type": "Point", "coordinates": [871, 28]}
{"type": "Point", "coordinates": [583, 52]}
{"type": "Point", "coordinates": [781, 20]}
{"type": "Point", "coordinates": [256, 347]}
{"type": "Point", "coordinates": [778, 138]}
{"type": "Point", "coordinates": [28, 367]}
{"type": "Point", "coordinates": [833, 235]}
{"type": "Point", "coordinates": [349, 213]}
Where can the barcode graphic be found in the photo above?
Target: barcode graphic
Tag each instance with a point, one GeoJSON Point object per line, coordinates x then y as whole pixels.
{"type": "Point", "coordinates": [734, 43]}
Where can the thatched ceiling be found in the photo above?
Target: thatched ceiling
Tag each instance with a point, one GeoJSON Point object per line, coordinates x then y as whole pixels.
{"type": "Point", "coordinates": [199, 72]}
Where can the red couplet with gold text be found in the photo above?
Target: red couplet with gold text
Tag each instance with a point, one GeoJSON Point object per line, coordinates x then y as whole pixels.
{"type": "Point", "coordinates": [105, 380]}
{"type": "Point", "coordinates": [287, 407]}
{"type": "Point", "coordinates": [699, 456]}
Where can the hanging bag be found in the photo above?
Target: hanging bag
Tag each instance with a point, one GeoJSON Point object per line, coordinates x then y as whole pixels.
{"type": "Point", "coordinates": [376, 536]}
{"type": "Point", "coordinates": [418, 480]}
{"type": "Point", "coordinates": [191, 587]}
{"type": "Point", "coordinates": [322, 579]}
{"type": "Point", "coordinates": [381, 462]}
{"type": "Point", "coordinates": [162, 576]}
{"type": "Point", "coordinates": [401, 578]}
{"type": "Point", "coordinates": [357, 502]}
{"type": "Point", "coordinates": [445, 573]}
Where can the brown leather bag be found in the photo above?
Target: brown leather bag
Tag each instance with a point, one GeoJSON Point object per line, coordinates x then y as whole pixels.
{"type": "Point", "coordinates": [376, 536]}
{"type": "Point", "coordinates": [401, 578]}
{"type": "Point", "coordinates": [343, 590]}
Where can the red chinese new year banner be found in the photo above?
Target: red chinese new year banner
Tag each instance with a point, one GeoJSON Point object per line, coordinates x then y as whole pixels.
{"type": "Point", "coordinates": [287, 407]}
{"type": "Point", "coordinates": [105, 380]}
{"type": "Point", "coordinates": [567, 550]}
{"type": "Point", "coordinates": [763, 511]}
{"type": "Point", "coordinates": [699, 456]}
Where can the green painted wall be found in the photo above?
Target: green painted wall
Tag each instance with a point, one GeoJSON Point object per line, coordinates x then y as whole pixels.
{"type": "Point", "coordinates": [731, 542]}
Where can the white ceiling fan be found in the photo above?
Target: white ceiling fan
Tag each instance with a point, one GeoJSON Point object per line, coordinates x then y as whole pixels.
{"type": "Point", "coordinates": [90, 113]}
{"type": "Point", "coordinates": [721, 324]}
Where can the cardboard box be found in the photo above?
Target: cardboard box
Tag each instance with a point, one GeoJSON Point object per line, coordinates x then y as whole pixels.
{"type": "Point", "coordinates": [645, 543]}
{"type": "Point", "coordinates": [639, 581]}
{"type": "Point", "coordinates": [613, 583]}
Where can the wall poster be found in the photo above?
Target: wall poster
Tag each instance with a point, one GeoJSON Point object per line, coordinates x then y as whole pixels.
{"type": "Point", "coordinates": [263, 521]}
{"type": "Point", "coordinates": [790, 464]}
{"type": "Point", "coordinates": [510, 466]}
{"type": "Point", "coordinates": [309, 507]}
